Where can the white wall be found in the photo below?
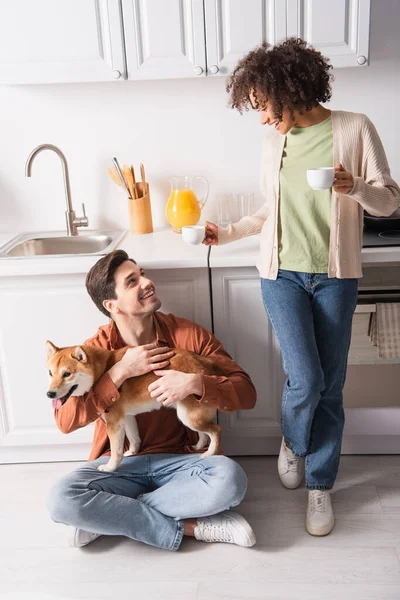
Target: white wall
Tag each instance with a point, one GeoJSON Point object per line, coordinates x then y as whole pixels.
{"type": "Point", "coordinates": [179, 126]}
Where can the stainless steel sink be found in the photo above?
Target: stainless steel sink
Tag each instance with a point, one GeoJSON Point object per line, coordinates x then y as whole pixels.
{"type": "Point", "coordinates": [53, 243]}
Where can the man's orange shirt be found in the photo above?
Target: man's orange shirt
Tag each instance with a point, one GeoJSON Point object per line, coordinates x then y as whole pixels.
{"type": "Point", "coordinates": [161, 430]}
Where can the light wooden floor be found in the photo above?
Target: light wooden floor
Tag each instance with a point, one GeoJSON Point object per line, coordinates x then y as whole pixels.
{"type": "Point", "coordinates": [359, 560]}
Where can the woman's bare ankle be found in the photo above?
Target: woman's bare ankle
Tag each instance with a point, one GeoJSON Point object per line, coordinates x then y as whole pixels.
{"type": "Point", "coordinates": [188, 527]}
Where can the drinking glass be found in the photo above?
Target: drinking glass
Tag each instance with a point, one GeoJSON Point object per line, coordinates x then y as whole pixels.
{"type": "Point", "coordinates": [228, 209]}
{"type": "Point", "coordinates": [246, 204]}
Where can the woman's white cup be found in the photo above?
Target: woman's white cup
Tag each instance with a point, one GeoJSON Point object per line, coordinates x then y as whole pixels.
{"type": "Point", "coordinates": [193, 234]}
{"type": "Point", "coordinates": [321, 179]}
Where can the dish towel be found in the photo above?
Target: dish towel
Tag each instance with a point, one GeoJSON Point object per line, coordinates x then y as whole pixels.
{"type": "Point", "coordinates": [385, 329]}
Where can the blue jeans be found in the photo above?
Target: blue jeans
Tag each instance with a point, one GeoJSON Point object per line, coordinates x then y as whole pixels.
{"type": "Point", "coordinates": [148, 496]}
{"type": "Point", "coordinates": [311, 315]}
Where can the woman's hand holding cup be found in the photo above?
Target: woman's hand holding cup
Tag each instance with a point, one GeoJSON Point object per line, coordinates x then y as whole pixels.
{"type": "Point", "coordinates": [344, 181]}
{"type": "Point", "coordinates": [211, 237]}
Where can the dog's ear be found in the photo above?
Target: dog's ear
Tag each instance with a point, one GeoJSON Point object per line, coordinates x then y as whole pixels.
{"type": "Point", "coordinates": [51, 349]}
{"type": "Point", "coordinates": [79, 354]}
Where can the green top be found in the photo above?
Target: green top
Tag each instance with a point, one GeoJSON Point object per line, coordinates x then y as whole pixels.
{"type": "Point", "coordinates": [304, 213]}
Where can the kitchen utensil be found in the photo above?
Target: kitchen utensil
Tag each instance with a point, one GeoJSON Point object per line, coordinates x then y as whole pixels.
{"type": "Point", "coordinates": [134, 181]}
{"type": "Point", "coordinates": [140, 210]}
{"type": "Point", "coordinates": [112, 172]}
{"type": "Point", "coordinates": [127, 173]}
{"type": "Point", "coordinates": [183, 207]}
{"type": "Point", "coordinates": [142, 173]}
{"type": "Point", "coordinates": [120, 174]}
{"type": "Point", "coordinates": [321, 179]}
{"type": "Point", "coordinates": [139, 206]}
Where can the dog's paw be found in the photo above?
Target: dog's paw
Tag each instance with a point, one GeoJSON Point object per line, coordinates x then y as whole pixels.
{"type": "Point", "coordinates": [133, 449]}
{"type": "Point", "coordinates": [107, 468]}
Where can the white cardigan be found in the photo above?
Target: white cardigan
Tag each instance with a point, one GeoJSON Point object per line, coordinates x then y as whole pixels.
{"type": "Point", "coordinates": [357, 146]}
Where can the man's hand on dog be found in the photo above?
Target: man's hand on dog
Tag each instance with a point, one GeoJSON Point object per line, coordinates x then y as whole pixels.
{"type": "Point", "coordinates": [175, 385]}
{"type": "Point", "coordinates": [140, 360]}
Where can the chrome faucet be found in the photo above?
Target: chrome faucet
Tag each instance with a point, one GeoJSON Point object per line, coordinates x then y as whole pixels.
{"type": "Point", "coordinates": [73, 222]}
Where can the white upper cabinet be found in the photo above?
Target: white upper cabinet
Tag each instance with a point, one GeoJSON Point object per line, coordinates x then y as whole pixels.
{"type": "Point", "coordinates": [164, 39]}
{"type": "Point", "coordinates": [50, 41]}
{"type": "Point", "coordinates": [339, 29]}
{"type": "Point", "coordinates": [55, 41]}
{"type": "Point", "coordinates": [233, 27]}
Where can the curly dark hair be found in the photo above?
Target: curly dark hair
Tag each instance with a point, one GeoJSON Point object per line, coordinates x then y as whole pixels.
{"type": "Point", "coordinates": [291, 75]}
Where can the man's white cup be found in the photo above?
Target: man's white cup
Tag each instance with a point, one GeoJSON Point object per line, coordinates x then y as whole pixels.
{"type": "Point", "coordinates": [321, 179]}
{"type": "Point", "coordinates": [193, 234]}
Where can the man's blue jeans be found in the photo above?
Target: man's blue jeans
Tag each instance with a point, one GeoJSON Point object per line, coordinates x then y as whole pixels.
{"type": "Point", "coordinates": [148, 496]}
{"type": "Point", "coordinates": [311, 315]}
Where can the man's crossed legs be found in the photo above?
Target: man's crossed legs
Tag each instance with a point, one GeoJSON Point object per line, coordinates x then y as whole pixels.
{"type": "Point", "coordinates": [155, 499]}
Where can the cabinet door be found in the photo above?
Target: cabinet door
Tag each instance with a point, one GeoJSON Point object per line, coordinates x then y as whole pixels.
{"type": "Point", "coordinates": [241, 324]}
{"type": "Point", "coordinates": [38, 308]}
{"type": "Point", "coordinates": [64, 41]}
{"type": "Point", "coordinates": [164, 40]}
{"type": "Point", "coordinates": [185, 293]}
{"type": "Point", "coordinates": [340, 29]}
{"type": "Point", "coordinates": [233, 28]}
{"type": "Point", "coordinates": [58, 308]}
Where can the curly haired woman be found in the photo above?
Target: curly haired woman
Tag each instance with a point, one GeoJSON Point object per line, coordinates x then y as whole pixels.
{"type": "Point", "coordinates": [311, 243]}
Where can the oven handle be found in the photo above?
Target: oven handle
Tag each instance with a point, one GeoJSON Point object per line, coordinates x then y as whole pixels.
{"type": "Point", "coordinates": [372, 297]}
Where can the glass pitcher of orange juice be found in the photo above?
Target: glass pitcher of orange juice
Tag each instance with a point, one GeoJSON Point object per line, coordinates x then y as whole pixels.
{"type": "Point", "coordinates": [183, 206]}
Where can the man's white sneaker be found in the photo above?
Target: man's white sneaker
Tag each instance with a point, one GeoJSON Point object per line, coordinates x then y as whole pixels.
{"type": "Point", "coordinates": [290, 467]}
{"type": "Point", "coordinates": [320, 519]}
{"type": "Point", "coordinates": [80, 537]}
{"type": "Point", "coordinates": [228, 527]}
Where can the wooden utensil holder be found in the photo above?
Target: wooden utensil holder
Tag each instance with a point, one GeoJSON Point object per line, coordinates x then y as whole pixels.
{"type": "Point", "coordinates": [140, 210]}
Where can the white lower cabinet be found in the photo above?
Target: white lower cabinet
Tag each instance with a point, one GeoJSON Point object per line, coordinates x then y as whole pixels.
{"type": "Point", "coordinates": [58, 308]}
{"type": "Point", "coordinates": [35, 308]}
{"type": "Point", "coordinates": [184, 292]}
{"type": "Point", "coordinates": [241, 324]}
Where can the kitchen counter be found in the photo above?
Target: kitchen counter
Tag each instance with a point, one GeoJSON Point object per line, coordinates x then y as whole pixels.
{"type": "Point", "coordinates": [162, 249]}
{"type": "Point", "coordinates": [47, 298]}
{"type": "Point", "coordinates": [165, 249]}
{"type": "Point", "coordinates": [244, 253]}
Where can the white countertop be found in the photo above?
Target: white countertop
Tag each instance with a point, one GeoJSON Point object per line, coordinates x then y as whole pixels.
{"type": "Point", "coordinates": [162, 249]}
{"type": "Point", "coordinates": [165, 249]}
{"type": "Point", "coordinates": [244, 253]}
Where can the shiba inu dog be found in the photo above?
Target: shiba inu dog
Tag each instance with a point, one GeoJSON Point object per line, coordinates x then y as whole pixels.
{"type": "Point", "coordinates": [75, 369]}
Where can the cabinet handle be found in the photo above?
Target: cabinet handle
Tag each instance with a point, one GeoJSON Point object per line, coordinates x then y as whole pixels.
{"type": "Point", "coordinates": [117, 74]}
{"type": "Point", "coordinates": [361, 60]}
{"type": "Point", "coordinates": [199, 70]}
{"type": "Point", "coordinates": [214, 69]}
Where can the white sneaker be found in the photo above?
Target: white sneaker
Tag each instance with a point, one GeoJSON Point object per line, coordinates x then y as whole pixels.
{"type": "Point", "coordinates": [290, 467]}
{"type": "Point", "coordinates": [228, 527]}
{"type": "Point", "coordinates": [320, 519]}
{"type": "Point", "coordinates": [80, 537]}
